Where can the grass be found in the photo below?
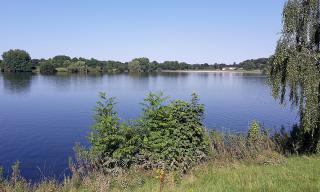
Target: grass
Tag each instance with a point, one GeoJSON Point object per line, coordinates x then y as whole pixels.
{"type": "Point", "coordinates": [294, 174]}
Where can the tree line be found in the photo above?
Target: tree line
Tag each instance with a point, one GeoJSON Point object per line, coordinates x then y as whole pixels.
{"type": "Point", "coordinates": [20, 61]}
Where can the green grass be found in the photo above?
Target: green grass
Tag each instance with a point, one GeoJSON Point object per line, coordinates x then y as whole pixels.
{"type": "Point", "coordinates": [296, 174]}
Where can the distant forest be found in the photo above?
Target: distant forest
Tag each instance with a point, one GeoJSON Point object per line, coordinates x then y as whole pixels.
{"type": "Point", "coordinates": [20, 61]}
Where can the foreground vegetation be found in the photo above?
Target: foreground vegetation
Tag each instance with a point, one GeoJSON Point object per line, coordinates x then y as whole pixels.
{"type": "Point", "coordinates": [292, 174]}
{"type": "Point", "coordinates": [296, 174]}
{"type": "Point", "coordinates": [168, 149]}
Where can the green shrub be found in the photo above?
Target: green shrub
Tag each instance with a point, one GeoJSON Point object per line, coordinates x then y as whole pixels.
{"type": "Point", "coordinates": [254, 132]}
{"type": "Point", "coordinates": [47, 67]}
{"type": "Point", "coordinates": [16, 61]}
{"type": "Point", "coordinates": [115, 143]}
{"type": "Point", "coordinates": [77, 66]}
{"type": "Point", "coordinates": [169, 136]}
{"type": "Point", "coordinates": [176, 138]}
{"type": "Point", "coordinates": [256, 145]}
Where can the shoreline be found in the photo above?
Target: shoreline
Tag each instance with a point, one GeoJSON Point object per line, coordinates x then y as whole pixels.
{"type": "Point", "coordinates": [64, 70]}
{"type": "Point", "coordinates": [214, 71]}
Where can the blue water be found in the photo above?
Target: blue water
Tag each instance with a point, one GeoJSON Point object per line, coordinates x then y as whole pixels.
{"type": "Point", "coordinates": [42, 117]}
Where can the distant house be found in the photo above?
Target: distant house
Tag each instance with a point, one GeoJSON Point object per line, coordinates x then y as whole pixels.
{"type": "Point", "coordinates": [228, 68]}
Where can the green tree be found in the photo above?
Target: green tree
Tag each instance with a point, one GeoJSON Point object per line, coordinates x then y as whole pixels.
{"type": "Point", "coordinates": [58, 61]}
{"type": "Point", "coordinates": [47, 67]}
{"type": "Point", "coordinates": [77, 66]}
{"type": "Point", "coordinates": [16, 61]}
{"type": "Point", "coordinates": [115, 143]}
{"type": "Point", "coordinates": [144, 64]}
{"type": "Point", "coordinates": [105, 136]}
{"type": "Point", "coordinates": [134, 66]}
{"type": "Point", "coordinates": [296, 66]}
{"type": "Point", "coordinates": [139, 65]}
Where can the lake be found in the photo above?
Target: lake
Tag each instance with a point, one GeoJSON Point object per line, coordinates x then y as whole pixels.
{"type": "Point", "coordinates": [42, 117]}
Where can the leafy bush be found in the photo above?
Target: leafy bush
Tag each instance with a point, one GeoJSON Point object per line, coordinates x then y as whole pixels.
{"type": "Point", "coordinates": [47, 67]}
{"type": "Point", "coordinates": [254, 132]}
{"type": "Point", "coordinates": [77, 66]}
{"type": "Point", "coordinates": [115, 143]}
{"type": "Point", "coordinates": [169, 136]}
{"type": "Point", "coordinates": [16, 61]}
{"type": "Point", "coordinates": [176, 138]}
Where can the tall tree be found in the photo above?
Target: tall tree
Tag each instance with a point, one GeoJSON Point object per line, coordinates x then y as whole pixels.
{"type": "Point", "coordinates": [139, 65]}
{"type": "Point", "coordinates": [16, 61]}
{"type": "Point", "coordinates": [134, 66]}
{"type": "Point", "coordinates": [59, 60]}
{"type": "Point", "coordinates": [295, 66]}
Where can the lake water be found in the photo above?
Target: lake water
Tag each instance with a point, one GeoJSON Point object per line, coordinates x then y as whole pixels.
{"type": "Point", "coordinates": [42, 117]}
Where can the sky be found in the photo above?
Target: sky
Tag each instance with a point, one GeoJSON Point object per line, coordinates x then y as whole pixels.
{"type": "Point", "coordinates": [193, 31]}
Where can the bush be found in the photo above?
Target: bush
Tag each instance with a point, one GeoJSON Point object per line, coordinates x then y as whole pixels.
{"type": "Point", "coordinates": [16, 61]}
{"type": "Point", "coordinates": [78, 66]}
{"type": "Point", "coordinates": [114, 143]}
{"type": "Point", "coordinates": [176, 138]}
{"type": "Point", "coordinates": [47, 67]}
{"type": "Point", "coordinates": [169, 136]}
{"type": "Point", "coordinates": [254, 132]}
{"type": "Point", "coordinates": [255, 146]}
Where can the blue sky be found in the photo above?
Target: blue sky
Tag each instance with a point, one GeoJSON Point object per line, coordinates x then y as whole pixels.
{"type": "Point", "coordinates": [195, 31]}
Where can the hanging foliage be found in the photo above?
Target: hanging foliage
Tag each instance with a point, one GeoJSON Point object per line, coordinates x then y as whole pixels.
{"type": "Point", "coordinates": [295, 66]}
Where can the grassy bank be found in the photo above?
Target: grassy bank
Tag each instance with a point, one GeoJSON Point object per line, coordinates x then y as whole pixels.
{"type": "Point", "coordinates": [296, 174]}
{"type": "Point", "coordinates": [293, 174]}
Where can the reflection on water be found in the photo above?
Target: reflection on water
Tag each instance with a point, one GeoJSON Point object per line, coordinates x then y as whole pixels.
{"type": "Point", "coordinates": [17, 83]}
{"type": "Point", "coordinates": [42, 116]}
{"type": "Point", "coordinates": [65, 81]}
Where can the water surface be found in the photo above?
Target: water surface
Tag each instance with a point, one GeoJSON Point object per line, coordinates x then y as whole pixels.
{"type": "Point", "coordinates": [42, 117]}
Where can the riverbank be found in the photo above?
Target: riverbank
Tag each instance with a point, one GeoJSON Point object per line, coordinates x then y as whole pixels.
{"type": "Point", "coordinates": [293, 174]}
{"type": "Point", "coordinates": [215, 71]}
{"type": "Point", "coordinates": [95, 70]}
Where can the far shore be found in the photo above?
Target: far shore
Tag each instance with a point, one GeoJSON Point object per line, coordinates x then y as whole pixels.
{"type": "Point", "coordinates": [65, 70]}
{"type": "Point", "coordinates": [215, 71]}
